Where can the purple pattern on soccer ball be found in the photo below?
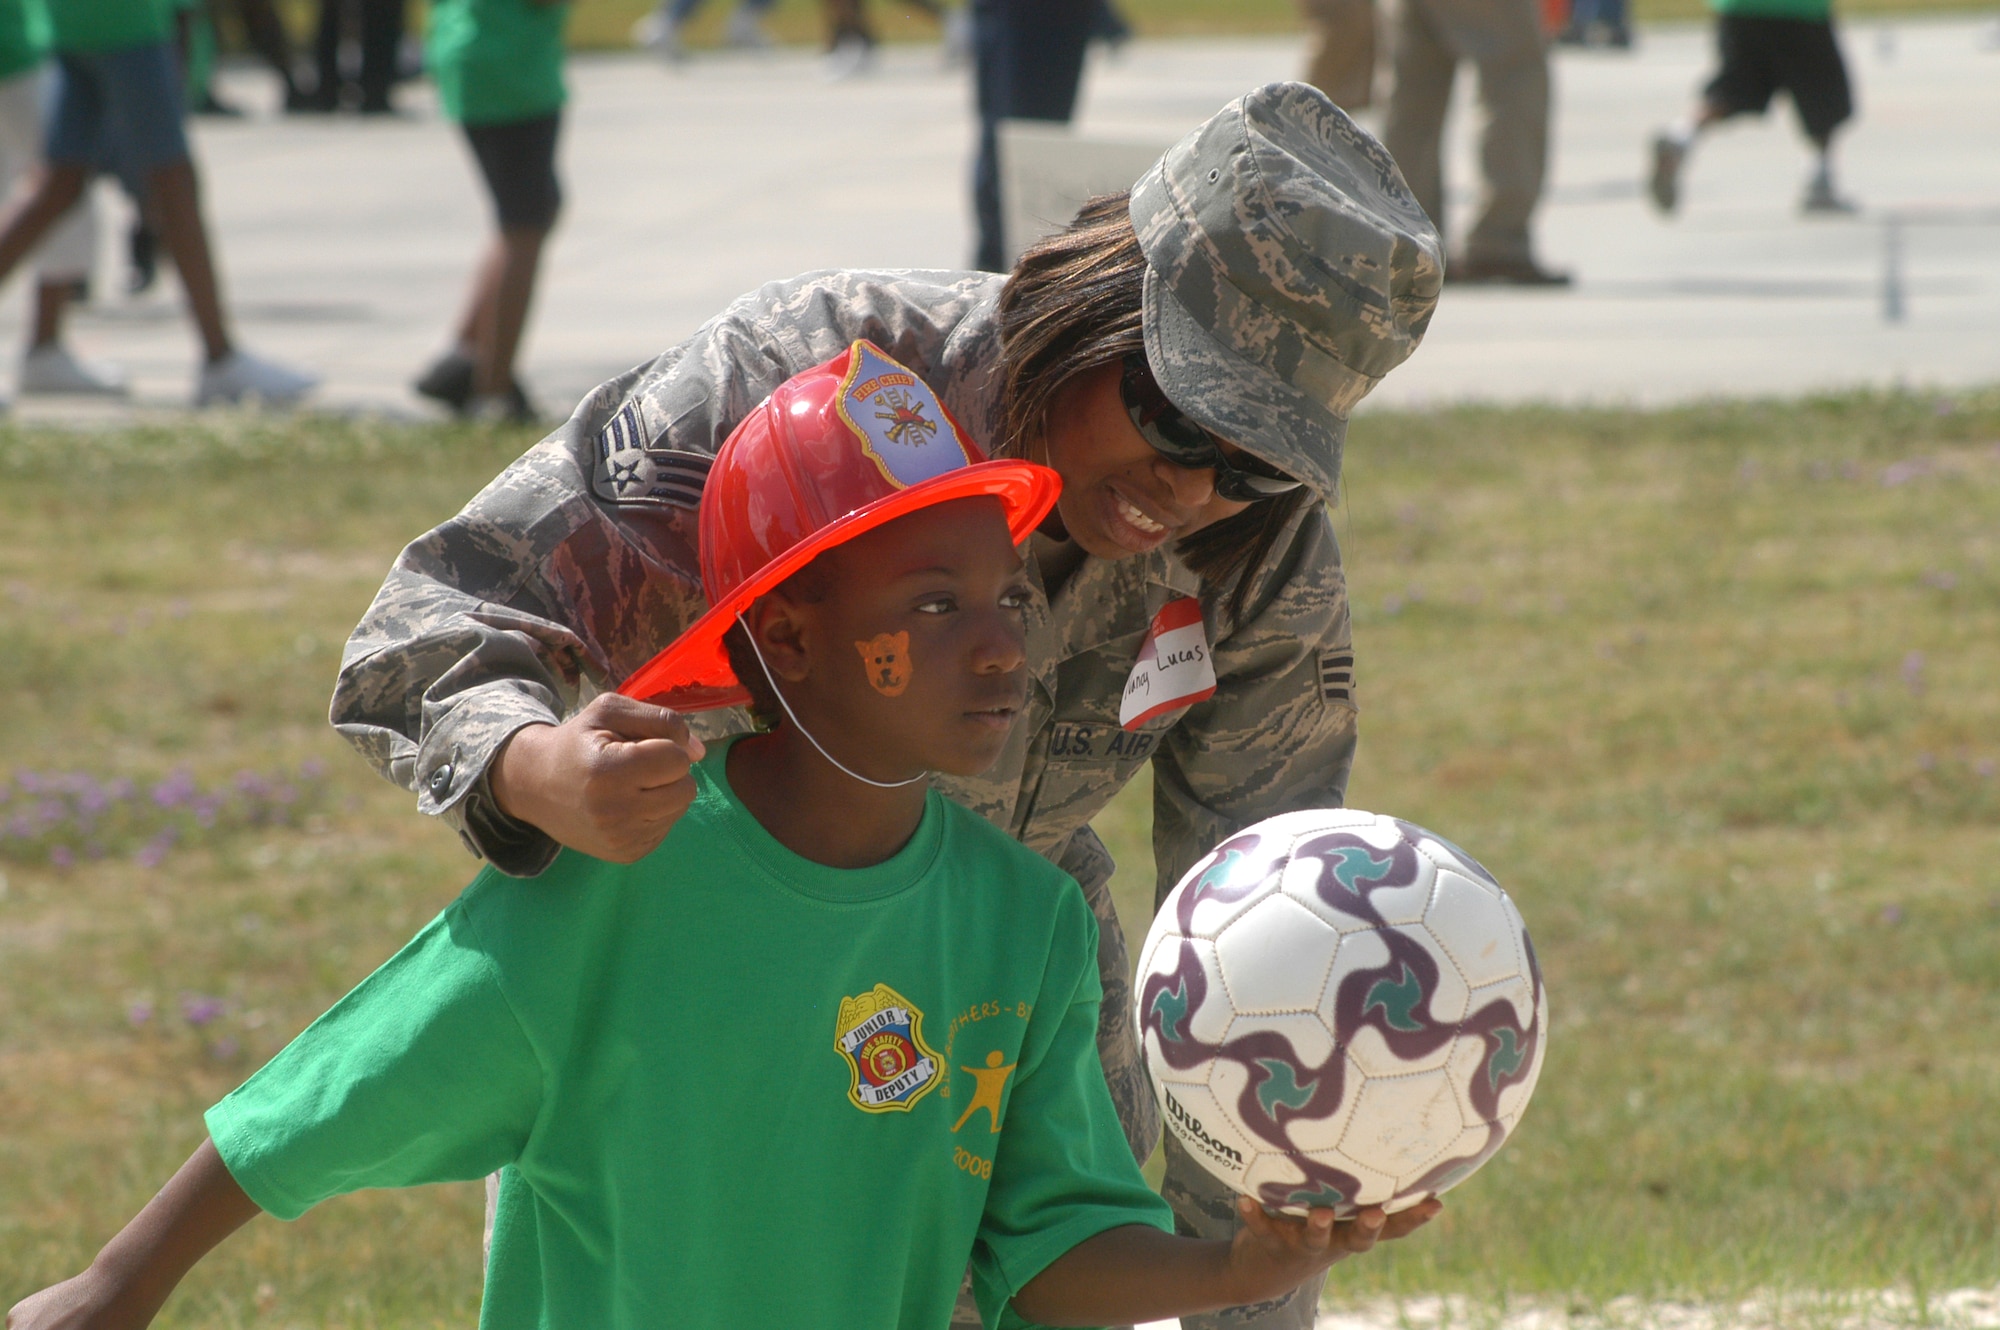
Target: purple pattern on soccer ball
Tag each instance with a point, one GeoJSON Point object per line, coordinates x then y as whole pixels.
{"type": "Point", "coordinates": [1281, 1087]}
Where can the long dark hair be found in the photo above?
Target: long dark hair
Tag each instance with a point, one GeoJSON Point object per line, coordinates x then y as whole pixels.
{"type": "Point", "coordinates": [1074, 303]}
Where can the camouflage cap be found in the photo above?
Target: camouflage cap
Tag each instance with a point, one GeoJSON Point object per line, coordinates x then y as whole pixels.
{"type": "Point", "coordinates": [1288, 268]}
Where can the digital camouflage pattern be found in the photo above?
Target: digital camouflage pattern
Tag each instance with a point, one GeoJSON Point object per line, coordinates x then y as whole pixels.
{"type": "Point", "coordinates": [1289, 269]}
{"type": "Point", "coordinates": [578, 563]}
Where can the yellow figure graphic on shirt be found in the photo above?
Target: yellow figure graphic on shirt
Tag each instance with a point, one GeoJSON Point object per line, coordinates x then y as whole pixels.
{"type": "Point", "coordinates": [989, 1081]}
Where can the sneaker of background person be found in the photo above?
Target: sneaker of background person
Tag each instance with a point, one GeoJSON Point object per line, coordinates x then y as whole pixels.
{"type": "Point", "coordinates": [52, 371]}
{"type": "Point", "coordinates": [745, 32]}
{"type": "Point", "coordinates": [851, 57]}
{"type": "Point", "coordinates": [659, 34]}
{"type": "Point", "coordinates": [240, 376]}
{"type": "Point", "coordinates": [1664, 184]}
{"type": "Point", "coordinates": [142, 252]}
{"type": "Point", "coordinates": [448, 381]}
{"type": "Point", "coordinates": [509, 408]}
{"type": "Point", "coordinates": [1821, 198]}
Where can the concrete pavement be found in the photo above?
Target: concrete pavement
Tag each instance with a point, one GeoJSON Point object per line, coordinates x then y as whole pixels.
{"type": "Point", "coordinates": [345, 245]}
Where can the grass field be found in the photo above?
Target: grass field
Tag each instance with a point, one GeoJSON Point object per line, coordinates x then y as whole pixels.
{"type": "Point", "coordinates": [1711, 689]}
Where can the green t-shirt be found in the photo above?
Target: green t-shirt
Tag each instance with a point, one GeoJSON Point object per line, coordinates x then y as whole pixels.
{"type": "Point", "coordinates": [1818, 11]}
{"type": "Point", "coordinates": [496, 61]}
{"type": "Point", "coordinates": [729, 1087]}
{"type": "Point", "coordinates": [24, 36]}
{"type": "Point", "coordinates": [84, 27]}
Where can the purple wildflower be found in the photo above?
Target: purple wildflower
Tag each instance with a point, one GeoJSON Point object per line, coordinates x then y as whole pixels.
{"type": "Point", "coordinates": [62, 856]}
{"type": "Point", "coordinates": [175, 791]}
{"type": "Point", "coordinates": [312, 768]}
{"type": "Point", "coordinates": [139, 1013]}
{"type": "Point", "coordinates": [154, 851]}
{"type": "Point", "coordinates": [1913, 671]}
{"type": "Point", "coordinates": [91, 798]}
{"type": "Point", "coordinates": [199, 1011]}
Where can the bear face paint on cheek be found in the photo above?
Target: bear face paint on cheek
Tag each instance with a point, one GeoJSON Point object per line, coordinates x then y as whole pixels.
{"type": "Point", "coordinates": [886, 657]}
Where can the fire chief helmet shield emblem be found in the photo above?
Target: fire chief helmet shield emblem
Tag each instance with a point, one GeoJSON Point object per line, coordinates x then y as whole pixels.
{"type": "Point", "coordinates": [881, 1035]}
{"type": "Point", "coordinates": [903, 428]}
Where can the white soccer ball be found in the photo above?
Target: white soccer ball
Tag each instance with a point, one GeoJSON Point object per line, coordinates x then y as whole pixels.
{"type": "Point", "coordinates": [1340, 1009]}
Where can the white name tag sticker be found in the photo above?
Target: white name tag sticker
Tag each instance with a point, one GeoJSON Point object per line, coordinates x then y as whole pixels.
{"type": "Point", "coordinates": [1174, 668]}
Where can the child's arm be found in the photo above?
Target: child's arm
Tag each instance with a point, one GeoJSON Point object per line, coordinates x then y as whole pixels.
{"type": "Point", "coordinates": [1136, 1273]}
{"type": "Point", "coordinates": [130, 1279]}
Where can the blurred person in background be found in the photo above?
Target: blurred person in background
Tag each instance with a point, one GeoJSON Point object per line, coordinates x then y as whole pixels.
{"type": "Point", "coordinates": [1343, 58]}
{"type": "Point", "coordinates": [377, 28]}
{"type": "Point", "coordinates": [1767, 47]}
{"type": "Point", "coordinates": [499, 71]}
{"type": "Point", "coordinates": [1027, 64]}
{"type": "Point", "coordinates": [263, 31]}
{"type": "Point", "coordinates": [1503, 39]}
{"type": "Point", "coordinates": [851, 40]}
{"type": "Point", "coordinates": [118, 103]}
{"type": "Point", "coordinates": [660, 30]}
{"type": "Point", "coordinates": [1597, 23]}
{"type": "Point", "coordinates": [63, 260]}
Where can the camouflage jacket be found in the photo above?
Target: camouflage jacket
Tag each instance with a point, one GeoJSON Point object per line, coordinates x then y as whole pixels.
{"type": "Point", "coordinates": [578, 563]}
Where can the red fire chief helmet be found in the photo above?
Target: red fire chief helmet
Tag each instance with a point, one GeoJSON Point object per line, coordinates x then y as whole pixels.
{"type": "Point", "coordinates": [836, 450]}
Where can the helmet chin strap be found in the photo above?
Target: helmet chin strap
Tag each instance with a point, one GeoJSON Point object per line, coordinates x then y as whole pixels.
{"type": "Point", "coordinates": [794, 718]}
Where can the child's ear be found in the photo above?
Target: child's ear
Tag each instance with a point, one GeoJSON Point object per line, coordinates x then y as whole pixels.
{"type": "Point", "coordinates": [778, 626]}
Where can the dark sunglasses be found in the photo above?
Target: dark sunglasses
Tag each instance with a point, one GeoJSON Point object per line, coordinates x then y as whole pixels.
{"type": "Point", "coordinates": [1243, 479]}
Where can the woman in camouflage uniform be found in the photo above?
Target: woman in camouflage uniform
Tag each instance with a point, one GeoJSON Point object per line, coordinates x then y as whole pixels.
{"type": "Point", "coordinates": [1185, 358]}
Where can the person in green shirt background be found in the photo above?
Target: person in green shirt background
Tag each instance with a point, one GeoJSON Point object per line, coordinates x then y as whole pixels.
{"type": "Point", "coordinates": [498, 68]}
{"type": "Point", "coordinates": [64, 257]}
{"type": "Point", "coordinates": [118, 107]}
{"type": "Point", "coordinates": [1767, 46]}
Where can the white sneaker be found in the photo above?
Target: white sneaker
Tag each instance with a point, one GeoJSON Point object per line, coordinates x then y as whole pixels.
{"type": "Point", "coordinates": [240, 376]}
{"type": "Point", "coordinates": [660, 35]}
{"type": "Point", "coordinates": [52, 369]}
{"type": "Point", "coordinates": [851, 57]}
{"type": "Point", "coordinates": [745, 32]}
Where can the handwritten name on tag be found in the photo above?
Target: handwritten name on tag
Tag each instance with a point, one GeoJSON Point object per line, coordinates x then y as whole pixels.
{"type": "Point", "coordinates": [1174, 669]}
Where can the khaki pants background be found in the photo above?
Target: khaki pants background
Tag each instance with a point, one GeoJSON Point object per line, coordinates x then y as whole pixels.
{"type": "Point", "coordinates": [1503, 40]}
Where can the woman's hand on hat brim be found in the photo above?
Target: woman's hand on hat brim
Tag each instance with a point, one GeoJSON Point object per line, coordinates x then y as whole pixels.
{"type": "Point", "coordinates": [609, 782]}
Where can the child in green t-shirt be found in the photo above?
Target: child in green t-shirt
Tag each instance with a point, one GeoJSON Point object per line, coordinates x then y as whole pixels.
{"type": "Point", "coordinates": [498, 68]}
{"type": "Point", "coordinates": [832, 1011]}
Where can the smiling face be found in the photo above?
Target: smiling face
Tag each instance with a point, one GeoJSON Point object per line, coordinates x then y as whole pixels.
{"type": "Point", "coordinates": [913, 655]}
{"type": "Point", "coordinates": [1119, 497]}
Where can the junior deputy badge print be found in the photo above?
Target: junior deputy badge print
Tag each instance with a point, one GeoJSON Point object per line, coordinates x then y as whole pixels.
{"type": "Point", "coordinates": [1174, 668]}
{"type": "Point", "coordinates": [881, 1034]}
{"type": "Point", "coordinates": [903, 427]}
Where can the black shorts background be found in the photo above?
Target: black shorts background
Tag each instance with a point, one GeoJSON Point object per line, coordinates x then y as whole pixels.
{"type": "Point", "coordinates": [518, 159]}
{"type": "Point", "coordinates": [1762, 56]}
